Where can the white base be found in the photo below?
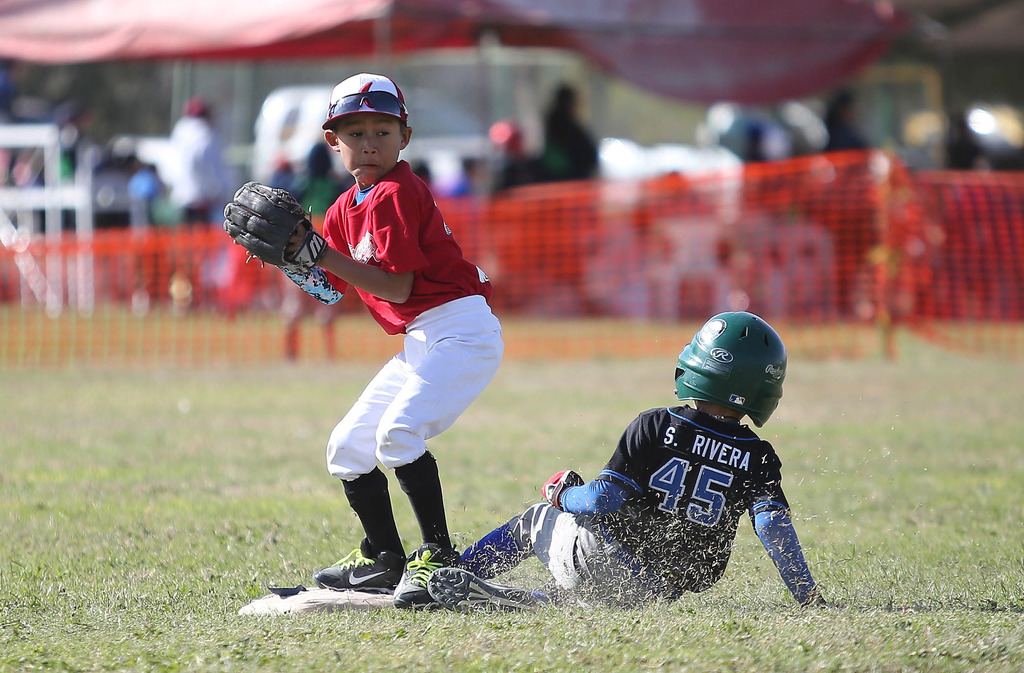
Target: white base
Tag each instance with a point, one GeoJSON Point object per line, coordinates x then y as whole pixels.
{"type": "Point", "coordinates": [317, 600]}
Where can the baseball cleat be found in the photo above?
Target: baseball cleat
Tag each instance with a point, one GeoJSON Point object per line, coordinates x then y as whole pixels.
{"type": "Point", "coordinates": [412, 589]}
{"type": "Point", "coordinates": [362, 569]}
{"type": "Point", "coordinates": [462, 591]}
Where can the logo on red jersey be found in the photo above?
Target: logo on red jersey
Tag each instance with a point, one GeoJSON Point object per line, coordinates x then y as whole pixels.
{"type": "Point", "coordinates": [365, 250]}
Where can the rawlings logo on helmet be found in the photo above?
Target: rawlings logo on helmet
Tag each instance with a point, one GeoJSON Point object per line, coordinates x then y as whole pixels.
{"type": "Point", "coordinates": [721, 355]}
{"type": "Point", "coordinates": [775, 372]}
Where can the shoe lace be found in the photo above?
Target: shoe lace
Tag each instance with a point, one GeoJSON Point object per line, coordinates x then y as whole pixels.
{"type": "Point", "coordinates": [421, 566]}
{"type": "Point", "coordinates": [353, 559]}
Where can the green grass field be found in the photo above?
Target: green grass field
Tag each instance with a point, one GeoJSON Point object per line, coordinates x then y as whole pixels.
{"type": "Point", "coordinates": [141, 508]}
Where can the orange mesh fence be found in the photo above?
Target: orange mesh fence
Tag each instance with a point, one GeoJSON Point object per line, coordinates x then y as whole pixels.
{"type": "Point", "coordinates": [835, 250]}
{"type": "Point", "coordinates": [786, 240]}
{"type": "Point", "coordinates": [958, 259]}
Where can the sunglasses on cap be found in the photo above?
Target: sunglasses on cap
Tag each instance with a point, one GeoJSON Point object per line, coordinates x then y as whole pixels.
{"type": "Point", "coordinates": [370, 101]}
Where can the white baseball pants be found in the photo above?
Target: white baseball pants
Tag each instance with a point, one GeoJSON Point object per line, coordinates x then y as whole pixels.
{"type": "Point", "coordinates": [589, 567]}
{"type": "Point", "coordinates": [451, 353]}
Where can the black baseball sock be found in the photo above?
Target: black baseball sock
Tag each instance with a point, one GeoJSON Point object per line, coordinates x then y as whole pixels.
{"type": "Point", "coordinates": [368, 496]}
{"type": "Point", "coordinates": [421, 482]}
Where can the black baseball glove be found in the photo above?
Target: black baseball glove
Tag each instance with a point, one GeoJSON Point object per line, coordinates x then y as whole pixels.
{"type": "Point", "coordinates": [263, 220]}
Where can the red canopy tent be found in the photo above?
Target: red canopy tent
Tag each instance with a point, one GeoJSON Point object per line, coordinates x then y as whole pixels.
{"type": "Point", "coordinates": [748, 51]}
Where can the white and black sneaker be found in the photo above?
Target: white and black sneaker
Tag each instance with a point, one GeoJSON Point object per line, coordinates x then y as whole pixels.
{"type": "Point", "coordinates": [462, 591]}
{"type": "Point", "coordinates": [362, 569]}
{"type": "Point", "coordinates": [412, 589]}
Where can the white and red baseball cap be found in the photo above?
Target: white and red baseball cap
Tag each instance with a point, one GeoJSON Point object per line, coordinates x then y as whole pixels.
{"type": "Point", "coordinates": [366, 92]}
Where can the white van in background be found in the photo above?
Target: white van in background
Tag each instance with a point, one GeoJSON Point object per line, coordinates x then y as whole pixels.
{"type": "Point", "coordinates": [289, 121]}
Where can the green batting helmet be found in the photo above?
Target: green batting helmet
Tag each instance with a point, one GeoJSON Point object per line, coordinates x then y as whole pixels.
{"type": "Point", "coordinates": [736, 360]}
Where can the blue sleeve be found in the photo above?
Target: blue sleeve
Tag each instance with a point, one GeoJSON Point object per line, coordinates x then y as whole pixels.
{"type": "Point", "coordinates": [776, 532]}
{"type": "Point", "coordinates": [316, 285]}
{"type": "Point", "coordinates": [595, 497]}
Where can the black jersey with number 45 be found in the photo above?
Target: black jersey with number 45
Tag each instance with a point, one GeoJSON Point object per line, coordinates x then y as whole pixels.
{"type": "Point", "coordinates": [690, 477]}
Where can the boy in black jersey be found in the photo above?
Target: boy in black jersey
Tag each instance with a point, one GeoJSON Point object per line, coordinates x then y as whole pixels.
{"type": "Point", "coordinates": [661, 517]}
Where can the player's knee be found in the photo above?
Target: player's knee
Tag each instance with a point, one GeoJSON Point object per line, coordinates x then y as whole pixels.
{"type": "Point", "coordinates": [350, 433]}
{"type": "Point", "coordinates": [338, 441]}
{"type": "Point", "coordinates": [397, 446]}
{"type": "Point", "coordinates": [524, 525]}
{"type": "Point", "coordinates": [347, 457]}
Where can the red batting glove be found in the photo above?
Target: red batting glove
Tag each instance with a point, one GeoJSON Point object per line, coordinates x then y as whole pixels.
{"type": "Point", "coordinates": [553, 487]}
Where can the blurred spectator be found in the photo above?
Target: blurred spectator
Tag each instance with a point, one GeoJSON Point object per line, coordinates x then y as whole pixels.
{"type": "Point", "coordinates": [570, 152]}
{"type": "Point", "coordinates": [8, 92]}
{"type": "Point", "coordinates": [283, 176]}
{"type": "Point", "coordinates": [765, 139]}
{"type": "Point", "coordinates": [201, 181]}
{"type": "Point", "coordinates": [840, 122]}
{"type": "Point", "coordinates": [465, 183]}
{"type": "Point", "coordinates": [963, 151]}
{"type": "Point", "coordinates": [77, 151]}
{"type": "Point", "coordinates": [144, 188]}
{"type": "Point", "coordinates": [753, 147]}
{"type": "Point", "coordinates": [514, 167]}
{"type": "Point", "coordinates": [421, 169]}
{"type": "Point", "coordinates": [320, 185]}
{"type": "Point", "coordinates": [72, 119]}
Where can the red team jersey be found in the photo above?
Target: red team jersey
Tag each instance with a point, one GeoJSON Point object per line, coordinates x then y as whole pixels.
{"type": "Point", "coordinates": [398, 227]}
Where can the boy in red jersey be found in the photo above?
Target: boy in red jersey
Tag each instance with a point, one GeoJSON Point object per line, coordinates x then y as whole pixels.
{"type": "Point", "coordinates": [387, 239]}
